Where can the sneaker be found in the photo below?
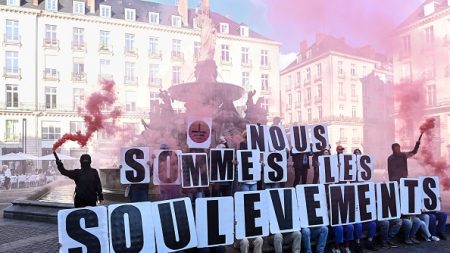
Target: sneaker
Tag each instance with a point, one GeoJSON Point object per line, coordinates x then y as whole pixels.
{"type": "Point", "coordinates": [371, 246]}
{"type": "Point", "coordinates": [442, 236]}
{"type": "Point", "coordinates": [358, 248]}
{"type": "Point", "coordinates": [415, 241]}
{"type": "Point", "coordinates": [392, 244]}
{"type": "Point", "coordinates": [408, 242]}
{"type": "Point", "coordinates": [346, 250]}
{"type": "Point", "coordinates": [334, 250]}
{"type": "Point", "coordinates": [385, 245]}
{"type": "Point", "coordinates": [434, 238]}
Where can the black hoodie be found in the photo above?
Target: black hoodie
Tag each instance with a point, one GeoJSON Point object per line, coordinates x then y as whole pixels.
{"type": "Point", "coordinates": [398, 165]}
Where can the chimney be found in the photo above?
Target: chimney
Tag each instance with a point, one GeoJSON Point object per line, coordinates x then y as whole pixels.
{"type": "Point", "coordinates": [36, 2]}
{"type": "Point", "coordinates": [303, 46]}
{"type": "Point", "coordinates": [319, 37]}
{"type": "Point", "coordinates": [183, 11]}
{"type": "Point", "coordinates": [91, 5]}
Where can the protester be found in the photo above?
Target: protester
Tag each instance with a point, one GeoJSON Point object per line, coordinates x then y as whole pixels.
{"type": "Point", "coordinates": [424, 227]}
{"type": "Point", "coordinates": [437, 229]}
{"type": "Point", "coordinates": [316, 164]}
{"type": "Point", "coordinates": [88, 186]}
{"type": "Point", "coordinates": [222, 189]}
{"type": "Point", "coordinates": [246, 186]}
{"type": "Point", "coordinates": [397, 162]}
{"type": "Point", "coordinates": [343, 235]}
{"type": "Point", "coordinates": [388, 230]}
{"type": "Point", "coordinates": [371, 228]}
{"type": "Point", "coordinates": [8, 176]}
{"type": "Point", "coordinates": [301, 167]}
{"type": "Point", "coordinates": [166, 191]}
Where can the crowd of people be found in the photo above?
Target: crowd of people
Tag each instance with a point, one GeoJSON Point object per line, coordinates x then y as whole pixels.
{"type": "Point", "coordinates": [410, 230]}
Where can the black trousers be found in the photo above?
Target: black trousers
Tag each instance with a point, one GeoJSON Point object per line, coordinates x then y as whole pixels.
{"type": "Point", "coordinates": [78, 202]}
{"type": "Point", "coordinates": [300, 173]}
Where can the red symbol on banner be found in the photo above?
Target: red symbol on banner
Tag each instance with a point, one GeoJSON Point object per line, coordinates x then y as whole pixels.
{"type": "Point", "coordinates": [199, 131]}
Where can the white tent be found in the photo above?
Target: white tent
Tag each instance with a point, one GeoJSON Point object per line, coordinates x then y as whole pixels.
{"type": "Point", "coordinates": [16, 157]}
{"type": "Point", "coordinates": [51, 157]}
{"type": "Point", "coordinates": [28, 156]}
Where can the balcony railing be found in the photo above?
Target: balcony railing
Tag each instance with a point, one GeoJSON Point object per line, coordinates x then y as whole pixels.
{"type": "Point", "coordinates": [341, 75]}
{"type": "Point", "coordinates": [354, 77]}
{"type": "Point", "coordinates": [356, 140]}
{"type": "Point", "coordinates": [131, 52]}
{"type": "Point", "coordinates": [12, 137]}
{"type": "Point", "coordinates": [78, 77]}
{"type": "Point", "coordinates": [78, 46]}
{"type": "Point", "coordinates": [105, 49]}
{"type": "Point", "coordinates": [298, 85]}
{"type": "Point", "coordinates": [298, 105]}
{"type": "Point", "coordinates": [266, 91]}
{"type": "Point", "coordinates": [152, 54]}
{"type": "Point", "coordinates": [155, 82]}
{"type": "Point", "coordinates": [307, 102]}
{"type": "Point", "coordinates": [12, 73]}
{"type": "Point", "coordinates": [288, 87]}
{"type": "Point", "coordinates": [12, 41]}
{"type": "Point", "coordinates": [307, 81]}
{"type": "Point", "coordinates": [343, 139]}
{"type": "Point", "coordinates": [177, 56]}
{"type": "Point", "coordinates": [318, 99]}
{"type": "Point", "coordinates": [247, 64]}
{"type": "Point", "coordinates": [51, 44]}
{"type": "Point", "coordinates": [342, 97]}
{"type": "Point", "coordinates": [317, 78]}
{"type": "Point", "coordinates": [355, 99]}
{"type": "Point", "coordinates": [130, 80]}
{"type": "Point", "coordinates": [288, 106]}
{"type": "Point", "coordinates": [51, 75]}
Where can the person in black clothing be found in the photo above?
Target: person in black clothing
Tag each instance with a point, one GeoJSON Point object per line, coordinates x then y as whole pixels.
{"type": "Point", "coordinates": [88, 186]}
{"type": "Point", "coordinates": [397, 162]}
{"type": "Point", "coordinates": [301, 166]}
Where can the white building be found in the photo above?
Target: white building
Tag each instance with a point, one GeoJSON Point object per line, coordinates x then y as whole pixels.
{"type": "Point", "coordinates": [53, 55]}
{"type": "Point", "coordinates": [422, 55]}
{"type": "Point", "coordinates": [323, 86]}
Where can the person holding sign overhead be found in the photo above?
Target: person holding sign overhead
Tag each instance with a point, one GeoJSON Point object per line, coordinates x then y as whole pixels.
{"type": "Point", "coordinates": [88, 186]}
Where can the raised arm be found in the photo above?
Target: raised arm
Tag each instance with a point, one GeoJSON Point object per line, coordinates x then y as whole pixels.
{"type": "Point", "coordinates": [68, 173]}
{"type": "Point", "coordinates": [414, 151]}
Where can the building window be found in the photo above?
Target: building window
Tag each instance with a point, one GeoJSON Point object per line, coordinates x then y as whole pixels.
{"type": "Point", "coordinates": [309, 114]}
{"type": "Point", "coordinates": [78, 71]}
{"type": "Point", "coordinates": [129, 42]}
{"type": "Point", "coordinates": [245, 79]}
{"type": "Point", "coordinates": [105, 11]}
{"type": "Point", "coordinates": [290, 99]}
{"type": "Point", "coordinates": [429, 34]}
{"type": "Point", "coordinates": [342, 133]}
{"type": "Point", "coordinates": [225, 55]}
{"type": "Point", "coordinates": [319, 91]}
{"type": "Point", "coordinates": [50, 131]}
{"type": "Point", "coordinates": [13, 2]}
{"type": "Point", "coordinates": [299, 77]}
{"type": "Point", "coordinates": [196, 50]}
{"type": "Point", "coordinates": [264, 82]}
{"type": "Point", "coordinates": [104, 40]}
{"type": "Point", "coordinates": [50, 34]}
{"type": "Point", "coordinates": [353, 90]}
{"type": "Point", "coordinates": [406, 43]}
{"type": "Point", "coordinates": [105, 68]}
{"type": "Point", "coordinates": [153, 46]}
{"type": "Point", "coordinates": [153, 18]}
{"type": "Point", "coordinates": [154, 73]}
{"type": "Point", "coordinates": [154, 102]}
{"type": "Point", "coordinates": [51, 5]}
{"type": "Point", "coordinates": [265, 104]}
{"type": "Point", "coordinates": [12, 62]}
{"type": "Point", "coordinates": [12, 30]}
{"type": "Point", "coordinates": [431, 95]}
{"type": "Point", "coordinates": [12, 96]}
{"type": "Point", "coordinates": [130, 14]}
{"type": "Point", "coordinates": [340, 68]}
{"type": "Point", "coordinates": [12, 130]}
{"type": "Point", "coordinates": [406, 71]}
{"type": "Point", "coordinates": [341, 111]}
{"type": "Point", "coordinates": [130, 101]}
{"type": "Point", "coordinates": [244, 31]}
{"type": "Point", "coordinates": [308, 94]}
{"type": "Point", "coordinates": [341, 89]}
{"type": "Point", "coordinates": [353, 112]}
{"type": "Point", "coordinates": [130, 68]}
{"type": "Point", "coordinates": [308, 74]}
{"type": "Point", "coordinates": [289, 81]}
{"type": "Point", "coordinates": [244, 56]}
{"type": "Point", "coordinates": [319, 111]}
{"type": "Point", "coordinates": [78, 7]}
{"type": "Point", "coordinates": [176, 48]}
{"type": "Point", "coordinates": [364, 71]}
{"type": "Point", "coordinates": [77, 126]}
{"type": "Point", "coordinates": [264, 58]}
{"type": "Point", "coordinates": [224, 28]}
{"type": "Point", "coordinates": [352, 70]}
{"type": "Point", "coordinates": [78, 37]}
{"type": "Point", "coordinates": [319, 70]}
{"type": "Point", "coordinates": [78, 99]}
{"type": "Point", "coordinates": [176, 21]}
{"type": "Point", "coordinates": [50, 97]}
{"type": "Point", "coordinates": [299, 97]}
{"type": "Point", "coordinates": [176, 74]}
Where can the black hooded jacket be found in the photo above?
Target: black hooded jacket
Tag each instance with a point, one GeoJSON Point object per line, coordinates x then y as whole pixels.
{"type": "Point", "coordinates": [88, 185]}
{"type": "Point", "coordinates": [398, 164]}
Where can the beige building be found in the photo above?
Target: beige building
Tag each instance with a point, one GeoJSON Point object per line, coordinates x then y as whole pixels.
{"type": "Point", "coordinates": [323, 86]}
{"type": "Point", "coordinates": [54, 52]}
{"type": "Point", "coordinates": [422, 55]}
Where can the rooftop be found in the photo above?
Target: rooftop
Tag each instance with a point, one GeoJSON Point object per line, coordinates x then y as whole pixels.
{"type": "Point", "coordinates": [426, 9]}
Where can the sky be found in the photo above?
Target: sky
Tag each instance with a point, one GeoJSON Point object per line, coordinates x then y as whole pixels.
{"type": "Point", "coordinates": [360, 22]}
